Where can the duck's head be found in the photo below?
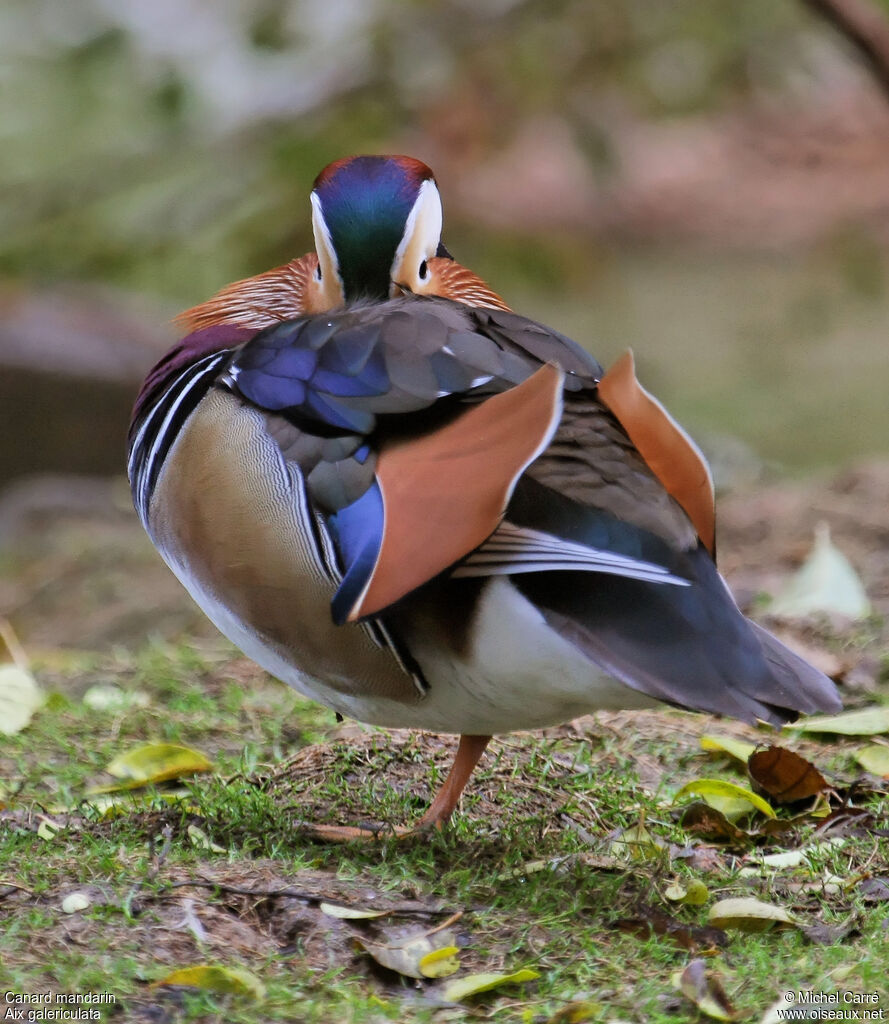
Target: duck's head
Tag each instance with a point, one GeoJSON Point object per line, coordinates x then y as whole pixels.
{"type": "Point", "coordinates": [377, 224]}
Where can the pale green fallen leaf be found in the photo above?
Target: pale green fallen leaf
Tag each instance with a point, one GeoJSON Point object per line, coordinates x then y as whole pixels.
{"type": "Point", "coordinates": [202, 841]}
{"type": "Point", "coordinates": [733, 808]}
{"type": "Point", "coordinates": [692, 893]}
{"type": "Point", "coordinates": [216, 979]}
{"type": "Point", "coordinates": [74, 902]}
{"type": "Point", "coordinates": [406, 953]}
{"type": "Point", "coordinates": [831, 884]}
{"type": "Point", "coordinates": [530, 867]}
{"type": "Point", "coordinates": [865, 722]}
{"type": "Point", "coordinates": [720, 791]}
{"type": "Point", "coordinates": [125, 800]}
{"type": "Point", "coordinates": [738, 749]}
{"type": "Point", "coordinates": [788, 859]}
{"type": "Point", "coordinates": [636, 843]}
{"type": "Point", "coordinates": [113, 698]}
{"type": "Point", "coordinates": [473, 984]}
{"type": "Point", "coordinates": [154, 762]}
{"type": "Point", "coordinates": [675, 891]}
{"type": "Point", "coordinates": [874, 758]}
{"type": "Point", "coordinates": [826, 582]}
{"type": "Point", "coordinates": [48, 830]}
{"type": "Point", "coordinates": [349, 913]}
{"type": "Point", "coordinates": [705, 989]}
{"type": "Point", "coordinates": [20, 697]}
{"type": "Point", "coordinates": [821, 808]}
{"type": "Point", "coordinates": [793, 859]}
{"type": "Point", "coordinates": [747, 914]}
{"type": "Point", "coordinates": [777, 1012]}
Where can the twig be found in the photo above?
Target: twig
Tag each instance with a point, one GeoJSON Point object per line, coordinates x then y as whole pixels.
{"type": "Point", "coordinates": [445, 924]}
{"type": "Point", "coordinates": [157, 862]}
{"type": "Point", "coordinates": [11, 887]}
{"type": "Point", "coordinates": [296, 894]}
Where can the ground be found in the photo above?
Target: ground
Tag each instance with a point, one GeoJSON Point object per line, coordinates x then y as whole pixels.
{"type": "Point", "coordinates": [568, 856]}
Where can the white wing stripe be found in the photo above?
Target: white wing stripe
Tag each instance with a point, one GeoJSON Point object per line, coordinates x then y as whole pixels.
{"type": "Point", "coordinates": [512, 550]}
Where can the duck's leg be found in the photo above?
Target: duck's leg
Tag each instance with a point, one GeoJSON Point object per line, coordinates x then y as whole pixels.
{"type": "Point", "coordinates": [469, 751]}
{"type": "Point", "coordinates": [468, 754]}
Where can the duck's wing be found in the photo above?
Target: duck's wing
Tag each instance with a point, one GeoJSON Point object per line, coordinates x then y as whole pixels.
{"type": "Point", "coordinates": [438, 411]}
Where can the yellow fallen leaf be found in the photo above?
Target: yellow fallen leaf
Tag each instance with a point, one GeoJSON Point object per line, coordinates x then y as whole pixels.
{"type": "Point", "coordinates": [728, 745]}
{"type": "Point", "coordinates": [20, 697]}
{"type": "Point", "coordinates": [581, 1011]}
{"type": "Point", "coordinates": [874, 758]}
{"type": "Point", "coordinates": [408, 953]}
{"type": "Point", "coordinates": [866, 722]}
{"type": "Point", "coordinates": [440, 963]}
{"type": "Point", "coordinates": [747, 914]}
{"type": "Point", "coordinates": [473, 984]}
{"type": "Point", "coordinates": [216, 979]}
{"type": "Point", "coordinates": [720, 790]}
{"type": "Point", "coordinates": [154, 762]}
{"type": "Point", "coordinates": [826, 582]}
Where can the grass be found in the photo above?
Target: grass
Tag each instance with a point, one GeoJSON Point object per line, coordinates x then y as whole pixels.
{"type": "Point", "coordinates": [527, 861]}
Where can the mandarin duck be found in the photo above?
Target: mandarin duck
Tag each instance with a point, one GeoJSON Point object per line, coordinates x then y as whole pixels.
{"type": "Point", "coordinates": [426, 511]}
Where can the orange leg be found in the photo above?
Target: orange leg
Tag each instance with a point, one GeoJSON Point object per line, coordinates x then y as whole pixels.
{"type": "Point", "coordinates": [440, 810]}
{"type": "Point", "coordinates": [468, 754]}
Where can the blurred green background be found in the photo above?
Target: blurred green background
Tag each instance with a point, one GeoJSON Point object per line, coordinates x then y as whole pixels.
{"type": "Point", "coordinates": [705, 180]}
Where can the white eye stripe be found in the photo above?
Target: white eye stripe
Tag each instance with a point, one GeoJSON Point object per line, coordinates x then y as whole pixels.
{"type": "Point", "coordinates": [422, 234]}
{"type": "Point", "coordinates": [328, 264]}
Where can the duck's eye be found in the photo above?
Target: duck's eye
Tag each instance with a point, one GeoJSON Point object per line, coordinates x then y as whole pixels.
{"type": "Point", "coordinates": [424, 271]}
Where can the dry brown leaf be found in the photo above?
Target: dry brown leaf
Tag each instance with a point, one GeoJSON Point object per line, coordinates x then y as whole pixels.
{"type": "Point", "coordinates": [784, 775]}
{"type": "Point", "coordinates": [702, 820]}
{"type": "Point", "coordinates": [874, 890]}
{"type": "Point", "coordinates": [827, 934]}
{"type": "Point", "coordinates": [651, 921]}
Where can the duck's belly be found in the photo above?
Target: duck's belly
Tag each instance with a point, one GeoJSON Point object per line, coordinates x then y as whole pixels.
{"type": "Point", "coordinates": [513, 672]}
{"type": "Point", "coordinates": [228, 516]}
